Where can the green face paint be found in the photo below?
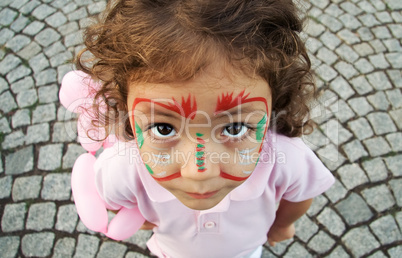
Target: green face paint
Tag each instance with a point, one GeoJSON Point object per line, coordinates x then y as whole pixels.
{"type": "Point", "coordinates": [261, 128]}
{"type": "Point", "coordinates": [139, 135]}
{"type": "Point", "coordinates": [200, 154]}
{"type": "Point", "coordinates": [149, 169]}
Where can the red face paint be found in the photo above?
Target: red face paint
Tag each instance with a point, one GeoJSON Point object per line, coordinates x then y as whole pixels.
{"type": "Point", "coordinates": [186, 109]}
{"type": "Point", "coordinates": [168, 178]}
{"type": "Point", "coordinates": [227, 101]}
{"type": "Point", "coordinates": [234, 178]}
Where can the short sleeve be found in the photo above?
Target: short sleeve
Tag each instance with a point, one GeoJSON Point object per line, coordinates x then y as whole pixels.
{"type": "Point", "coordinates": [115, 177]}
{"type": "Point", "coordinates": [303, 175]}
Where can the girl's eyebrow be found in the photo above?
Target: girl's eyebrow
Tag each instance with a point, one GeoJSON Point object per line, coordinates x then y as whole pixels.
{"type": "Point", "coordinates": [226, 101]}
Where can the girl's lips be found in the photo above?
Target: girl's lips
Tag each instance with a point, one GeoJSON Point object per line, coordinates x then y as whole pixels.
{"type": "Point", "coordinates": [202, 196]}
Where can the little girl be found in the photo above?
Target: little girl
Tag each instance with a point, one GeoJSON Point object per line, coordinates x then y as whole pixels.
{"type": "Point", "coordinates": [206, 99]}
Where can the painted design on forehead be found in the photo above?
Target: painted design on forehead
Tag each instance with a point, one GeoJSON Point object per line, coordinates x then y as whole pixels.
{"type": "Point", "coordinates": [139, 135]}
{"type": "Point", "coordinates": [227, 101]}
{"type": "Point", "coordinates": [200, 153]}
{"type": "Point", "coordinates": [187, 108]}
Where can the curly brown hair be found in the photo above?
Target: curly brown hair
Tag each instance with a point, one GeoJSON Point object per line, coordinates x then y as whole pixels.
{"type": "Point", "coordinates": [172, 40]}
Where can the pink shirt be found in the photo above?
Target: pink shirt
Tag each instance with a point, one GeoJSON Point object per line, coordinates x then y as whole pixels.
{"type": "Point", "coordinates": [238, 224]}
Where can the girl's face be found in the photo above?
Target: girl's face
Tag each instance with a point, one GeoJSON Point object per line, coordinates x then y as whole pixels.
{"type": "Point", "coordinates": [201, 139]}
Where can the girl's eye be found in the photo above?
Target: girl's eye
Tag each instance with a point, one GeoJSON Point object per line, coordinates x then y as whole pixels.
{"type": "Point", "coordinates": [235, 130]}
{"type": "Point", "coordinates": [163, 130]}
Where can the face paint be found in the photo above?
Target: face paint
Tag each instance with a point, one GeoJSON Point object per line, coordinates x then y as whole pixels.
{"type": "Point", "coordinates": [234, 178]}
{"type": "Point", "coordinates": [227, 102]}
{"type": "Point", "coordinates": [161, 159]}
{"type": "Point", "coordinates": [186, 109]}
{"type": "Point", "coordinates": [260, 132]}
{"type": "Point", "coordinates": [200, 153]}
{"type": "Point", "coordinates": [139, 135]}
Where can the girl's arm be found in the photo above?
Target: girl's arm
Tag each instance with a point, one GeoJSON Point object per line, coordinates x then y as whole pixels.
{"type": "Point", "coordinates": [286, 214]}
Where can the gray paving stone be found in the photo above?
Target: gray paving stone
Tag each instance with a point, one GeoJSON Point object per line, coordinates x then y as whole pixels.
{"type": "Point", "coordinates": [332, 221]}
{"type": "Point", "coordinates": [109, 249]}
{"type": "Point", "coordinates": [7, 16]}
{"type": "Point", "coordinates": [365, 34]}
{"type": "Point", "coordinates": [50, 157]}
{"type": "Point", "coordinates": [395, 97]}
{"type": "Point", "coordinates": [397, 190]}
{"type": "Point", "coordinates": [326, 73]}
{"type": "Point", "coordinates": [27, 8]}
{"type": "Point", "coordinates": [20, 161]}
{"type": "Point", "coordinates": [18, 73]}
{"type": "Point", "coordinates": [41, 216]}
{"type": "Point", "coordinates": [4, 126]}
{"type": "Point", "coordinates": [335, 132]}
{"type": "Point", "coordinates": [394, 4]}
{"type": "Point", "coordinates": [395, 251]}
{"type": "Point", "coordinates": [349, 37]}
{"type": "Point", "coordinates": [5, 186]}
{"type": "Point", "coordinates": [378, 46]}
{"type": "Point", "coordinates": [27, 98]}
{"type": "Point", "coordinates": [321, 242]}
{"type": "Point", "coordinates": [375, 169]}
{"type": "Point", "coordinates": [347, 53]}
{"type": "Point", "coordinates": [9, 63]}
{"type": "Point", "coordinates": [395, 60]}
{"type": "Point", "coordinates": [318, 205]}
{"type": "Point", "coordinates": [396, 16]}
{"type": "Point", "coordinates": [330, 22]}
{"type": "Point", "coordinates": [386, 229]}
{"type": "Point", "coordinates": [363, 49]}
{"type": "Point", "coordinates": [43, 11]}
{"type": "Point", "coordinates": [67, 218]}
{"type": "Point", "coordinates": [334, 10]}
{"type": "Point", "coordinates": [379, 100]}
{"type": "Point", "coordinates": [18, 42]}
{"type": "Point", "coordinates": [349, 21]}
{"type": "Point", "coordinates": [13, 217]}
{"type": "Point", "coordinates": [377, 146]}
{"type": "Point", "coordinates": [297, 250]}
{"type": "Point", "coordinates": [346, 69]}
{"type": "Point", "coordinates": [379, 197]}
{"type": "Point", "coordinates": [352, 175]}
{"type": "Point", "coordinates": [9, 246]}
{"type": "Point", "coordinates": [5, 35]}
{"type": "Point", "coordinates": [305, 228]}
{"type": "Point", "coordinates": [381, 123]}
{"type": "Point", "coordinates": [360, 241]}
{"type": "Point", "coordinates": [3, 85]}
{"type": "Point", "coordinates": [315, 140]}
{"type": "Point", "coordinates": [331, 157]}
{"type": "Point", "coordinates": [56, 19]}
{"type": "Point", "coordinates": [361, 128]}
{"type": "Point", "coordinates": [69, 7]}
{"type": "Point", "coordinates": [326, 56]}
{"type": "Point", "coordinates": [73, 152]}
{"type": "Point", "coordinates": [47, 36]}
{"type": "Point", "coordinates": [354, 150]}
{"type": "Point", "coordinates": [336, 192]}
{"type": "Point", "coordinates": [68, 28]}
{"type": "Point", "coordinates": [46, 77]}
{"type": "Point", "coordinates": [381, 32]}
{"type": "Point", "coordinates": [48, 94]}
{"type": "Point", "coordinates": [138, 255]}
{"type": "Point", "coordinates": [18, 3]}
{"type": "Point", "coordinates": [37, 133]}
{"type": "Point", "coordinates": [64, 131]}
{"type": "Point", "coordinates": [73, 39]}
{"type": "Point", "coordinates": [21, 85]}
{"type": "Point", "coordinates": [54, 49]}
{"type": "Point", "coordinates": [64, 247]}
{"type": "Point", "coordinates": [330, 40]}
{"type": "Point", "coordinates": [87, 246]}
{"type": "Point", "coordinates": [342, 111]}
{"type": "Point", "coordinates": [338, 252]}
{"type": "Point", "coordinates": [44, 113]}
{"type": "Point", "coordinates": [96, 7]}
{"type": "Point", "coordinates": [368, 20]}
{"type": "Point", "coordinates": [39, 63]}
{"type": "Point", "coordinates": [354, 209]}
{"type": "Point", "coordinates": [313, 45]}
{"type": "Point", "coordinates": [379, 62]}
{"type": "Point", "coordinates": [25, 188]}
{"type": "Point", "coordinates": [363, 66]}
{"type": "Point", "coordinates": [394, 164]}
{"type": "Point", "coordinates": [13, 140]}
{"type": "Point", "coordinates": [396, 30]}
{"type": "Point", "coordinates": [351, 8]}
{"type": "Point", "coordinates": [56, 186]}
{"type": "Point", "coordinates": [21, 117]}
{"type": "Point", "coordinates": [395, 140]}
{"type": "Point", "coordinates": [64, 115]}
{"type": "Point", "coordinates": [61, 58]}
{"type": "Point", "coordinates": [37, 244]}
{"type": "Point", "coordinates": [397, 117]}
{"type": "Point", "coordinates": [34, 28]}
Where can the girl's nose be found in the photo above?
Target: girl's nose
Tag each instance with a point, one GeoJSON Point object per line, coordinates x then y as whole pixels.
{"type": "Point", "coordinates": [200, 164]}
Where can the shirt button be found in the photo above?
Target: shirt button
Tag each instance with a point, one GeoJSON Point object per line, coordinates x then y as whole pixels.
{"type": "Point", "coordinates": [209, 224]}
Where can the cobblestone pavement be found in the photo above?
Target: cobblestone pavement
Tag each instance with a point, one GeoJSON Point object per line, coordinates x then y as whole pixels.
{"type": "Point", "coordinates": [356, 49]}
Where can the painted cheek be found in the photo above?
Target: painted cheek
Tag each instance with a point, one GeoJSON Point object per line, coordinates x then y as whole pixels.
{"type": "Point", "coordinates": [139, 135]}
{"type": "Point", "coordinates": [260, 130]}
